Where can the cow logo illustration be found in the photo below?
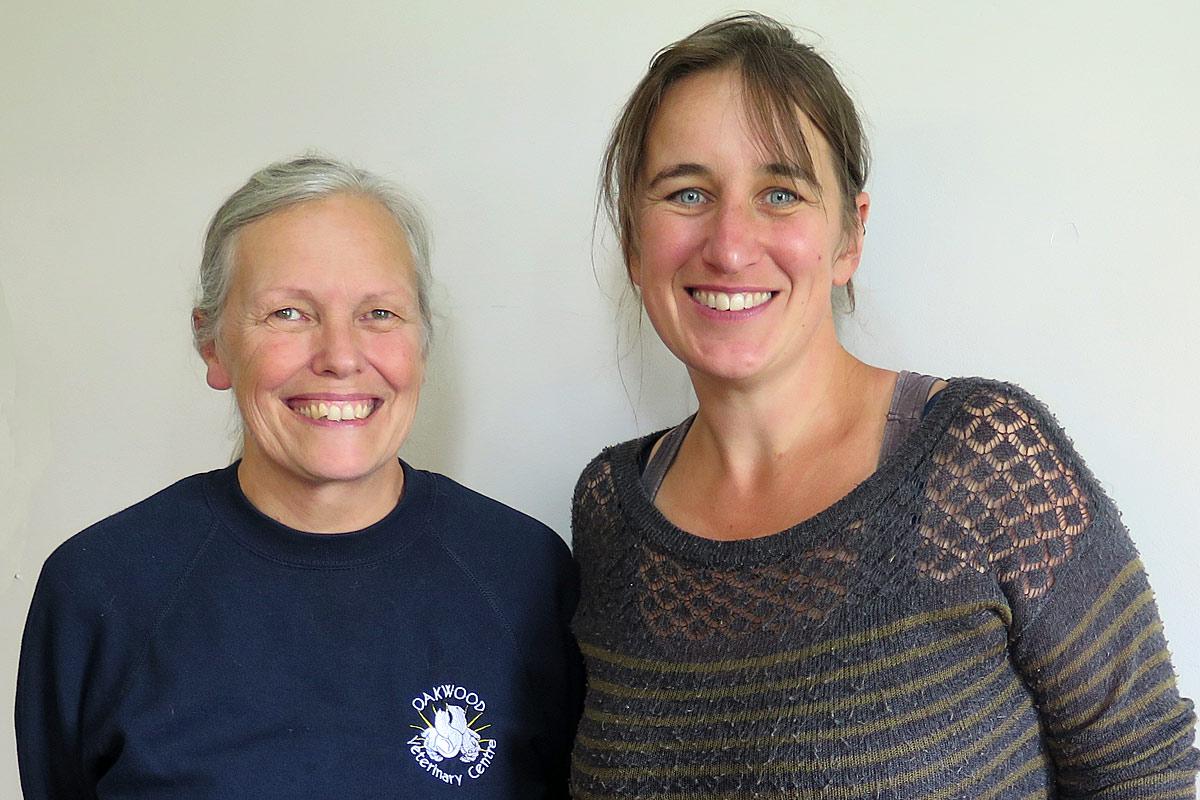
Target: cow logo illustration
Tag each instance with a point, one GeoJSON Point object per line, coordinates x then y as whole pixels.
{"type": "Point", "coordinates": [449, 746]}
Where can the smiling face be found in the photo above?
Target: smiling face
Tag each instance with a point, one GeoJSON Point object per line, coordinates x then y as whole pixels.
{"type": "Point", "coordinates": [320, 340]}
{"type": "Point", "coordinates": [737, 251]}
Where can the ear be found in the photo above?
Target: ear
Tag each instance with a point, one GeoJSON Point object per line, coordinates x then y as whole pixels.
{"type": "Point", "coordinates": [633, 267]}
{"type": "Point", "coordinates": [218, 376]}
{"type": "Point", "coordinates": [847, 262]}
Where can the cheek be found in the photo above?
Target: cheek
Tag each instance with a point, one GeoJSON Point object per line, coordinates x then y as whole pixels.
{"type": "Point", "coordinates": [666, 245]}
{"type": "Point", "coordinates": [269, 364]}
{"type": "Point", "coordinates": [799, 250]}
{"type": "Point", "coordinates": [398, 359]}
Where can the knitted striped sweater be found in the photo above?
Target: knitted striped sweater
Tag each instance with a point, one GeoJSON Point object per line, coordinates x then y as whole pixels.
{"type": "Point", "coordinates": [970, 621]}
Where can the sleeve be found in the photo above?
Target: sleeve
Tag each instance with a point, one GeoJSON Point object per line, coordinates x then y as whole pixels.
{"type": "Point", "coordinates": [51, 686]}
{"type": "Point", "coordinates": [1086, 635]}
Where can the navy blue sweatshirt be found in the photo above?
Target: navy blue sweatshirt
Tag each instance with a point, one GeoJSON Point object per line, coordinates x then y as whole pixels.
{"type": "Point", "coordinates": [192, 647]}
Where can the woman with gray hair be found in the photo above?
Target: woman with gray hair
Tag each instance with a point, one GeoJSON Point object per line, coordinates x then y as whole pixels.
{"type": "Point", "coordinates": [318, 619]}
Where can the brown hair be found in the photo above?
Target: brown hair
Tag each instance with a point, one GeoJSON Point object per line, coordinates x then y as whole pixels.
{"type": "Point", "coordinates": [779, 74]}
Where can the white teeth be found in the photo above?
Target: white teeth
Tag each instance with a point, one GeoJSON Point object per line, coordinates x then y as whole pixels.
{"type": "Point", "coordinates": [336, 412]}
{"type": "Point", "coordinates": [738, 301]}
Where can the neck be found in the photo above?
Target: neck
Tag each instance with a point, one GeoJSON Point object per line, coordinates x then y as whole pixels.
{"type": "Point", "coordinates": [748, 428]}
{"type": "Point", "coordinates": [320, 506]}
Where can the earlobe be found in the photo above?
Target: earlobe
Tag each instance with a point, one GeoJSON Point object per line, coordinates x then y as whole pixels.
{"type": "Point", "coordinates": [216, 375]}
{"type": "Point", "coordinates": [848, 261]}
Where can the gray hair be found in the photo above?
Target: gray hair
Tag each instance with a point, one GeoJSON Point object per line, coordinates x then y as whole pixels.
{"type": "Point", "coordinates": [284, 184]}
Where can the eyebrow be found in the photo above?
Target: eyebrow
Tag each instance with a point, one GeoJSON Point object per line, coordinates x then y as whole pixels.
{"type": "Point", "coordinates": [686, 170]}
{"type": "Point", "coordinates": [689, 170]}
{"type": "Point", "coordinates": [273, 292]}
{"type": "Point", "coordinates": [788, 170]}
{"type": "Point", "coordinates": [283, 292]}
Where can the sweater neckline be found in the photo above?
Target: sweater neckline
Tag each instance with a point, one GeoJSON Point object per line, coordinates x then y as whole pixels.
{"type": "Point", "coordinates": [272, 539]}
{"type": "Point", "coordinates": [648, 523]}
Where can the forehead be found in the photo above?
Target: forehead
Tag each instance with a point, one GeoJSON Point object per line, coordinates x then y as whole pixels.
{"type": "Point", "coordinates": [710, 113]}
{"type": "Point", "coordinates": [342, 236]}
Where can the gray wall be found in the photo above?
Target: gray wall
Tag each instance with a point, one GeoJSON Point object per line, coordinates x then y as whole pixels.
{"type": "Point", "coordinates": [1034, 218]}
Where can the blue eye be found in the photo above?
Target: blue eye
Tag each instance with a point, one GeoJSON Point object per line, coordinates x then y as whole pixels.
{"type": "Point", "coordinates": [288, 314]}
{"type": "Point", "coordinates": [780, 197]}
{"type": "Point", "coordinates": [381, 314]}
{"type": "Point", "coordinates": [689, 197]}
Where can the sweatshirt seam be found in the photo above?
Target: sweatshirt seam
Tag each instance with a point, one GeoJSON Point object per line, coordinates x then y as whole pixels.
{"type": "Point", "coordinates": [485, 591]}
{"type": "Point", "coordinates": [165, 608]}
{"type": "Point", "coordinates": [487, 594]}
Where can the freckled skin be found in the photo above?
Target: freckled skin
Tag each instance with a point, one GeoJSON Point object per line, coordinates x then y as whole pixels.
{"type": "Point", "coordinates": [323, 302]}
{"type": "Point", "coordinates": [736, 225]}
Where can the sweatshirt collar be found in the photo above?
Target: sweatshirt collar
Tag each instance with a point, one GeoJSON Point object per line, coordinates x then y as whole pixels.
{"type": "Point", "coordinates": [267, 537]}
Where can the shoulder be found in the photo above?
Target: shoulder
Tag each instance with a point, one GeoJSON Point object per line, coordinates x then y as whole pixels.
{"type": "Point", "coordinates": [1005, 426]}
{"type": "Point", "coordinates": [983, 393]}
{"type": "Point", "coordinates": [481, 529]}
{"type": "Point", "coordinates": [614, 466]}
{"type": "Point", "coordinates": [522, 567]}
{"type": "Point", "coordinates": [100, 593]}
{"type": "Point", "coordinates": [133, 552]}
{"type": "Point", "coordinates": [1006, 488]}
{"type": "Point", "coordinates": [162, 521]}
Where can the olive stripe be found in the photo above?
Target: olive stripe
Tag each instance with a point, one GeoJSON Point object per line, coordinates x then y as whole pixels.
{"type": "Point", "coordinates": [1132, 736]}
{"type": "Point", "coordinates": [1172, 794]}
{"type": "Point", "coordinates": [1014, 776]}
{"type": "Point", "coordinates": [1092, 713]}
{"type": "Point", "coordinates": [956, 790]}
{"type": "Point", "coordinates": [823, 678]}
{"type": "Point", "coordinates": [793, 794]}
{"type": "Point", "coordinates": [1142, 756]}
{"type": "Point", "coordinates": [1087, 619]}
{"type": "Point", "coordinates": [1143, 702]}
{"type": "Point", "coordinates": [797, 710]}
{"type": "Point", "coordinates": [831, 646]}
{"type": "Point", "coordinates": [1147, 781]}
{"type": "Point", "coordinates": [812, 765]}
{"type": "Point", "coordinates": [1068, 670]}
{"type": "Point", "coordinates": [1120, 659]}
{"type": "Point", "coordinates": [858, 760]}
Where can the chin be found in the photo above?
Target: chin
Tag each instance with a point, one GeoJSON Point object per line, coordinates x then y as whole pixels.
{"type": "Point", "coordinates": [734, 368]}
{"type": "Point", "coordinates": [347, 468]}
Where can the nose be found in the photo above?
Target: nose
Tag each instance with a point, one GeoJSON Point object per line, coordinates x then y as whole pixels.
{"type": "Point", "coordinates": [733, 241]}
{"type": "Point", "coordinates": [338, 353]}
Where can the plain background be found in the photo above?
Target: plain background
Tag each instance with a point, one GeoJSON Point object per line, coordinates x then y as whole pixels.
{"type": "Point", "coordinates": [1035, 200]}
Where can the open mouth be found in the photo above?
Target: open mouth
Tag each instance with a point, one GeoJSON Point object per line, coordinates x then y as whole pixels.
{"type": "Point", "coordinates": [334, 411]}
{"type": "Point", "coordinates": [735, 301]}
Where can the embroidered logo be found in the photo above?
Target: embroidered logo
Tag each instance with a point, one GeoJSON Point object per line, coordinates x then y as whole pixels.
{"type": "Point", "coordinates": [448, 746]}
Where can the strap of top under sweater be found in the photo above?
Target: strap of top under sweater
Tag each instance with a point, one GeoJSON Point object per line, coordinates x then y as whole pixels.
{"type": "Point", "coordinates": [910, 401]}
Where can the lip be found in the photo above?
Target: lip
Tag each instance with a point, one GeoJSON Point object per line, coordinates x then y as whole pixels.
{"type": "Point", "coordinates": [711, 287]}
{"type": "Point", "coordinates": [334, 397]}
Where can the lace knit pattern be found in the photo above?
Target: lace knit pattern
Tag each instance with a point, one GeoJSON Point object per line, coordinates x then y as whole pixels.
{"type": "Point", "coordinates": [971, 621]}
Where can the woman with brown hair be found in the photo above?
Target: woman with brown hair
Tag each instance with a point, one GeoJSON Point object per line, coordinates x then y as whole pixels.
{"type": "Point", "coordinates": [835, 580]}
